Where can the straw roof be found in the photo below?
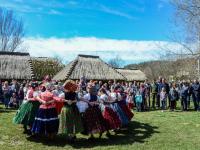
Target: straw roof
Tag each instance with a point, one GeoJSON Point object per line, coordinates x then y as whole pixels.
{"type": "Point", "coordinates": [91, 67]}
{"type": "Point", "coordinates": [15, 65]}
{"type": "Point", "coordinates": [43, 59]}
{"type": "Point", "coordinates": [132, 74]}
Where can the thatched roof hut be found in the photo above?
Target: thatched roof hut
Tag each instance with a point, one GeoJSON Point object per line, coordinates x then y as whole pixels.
{"type": "Point", "coordinates": [132, 74]}
{"type": "Point", "coordinates": [91, 67]}
{"type": "Point", "coordinates": [15, 65]}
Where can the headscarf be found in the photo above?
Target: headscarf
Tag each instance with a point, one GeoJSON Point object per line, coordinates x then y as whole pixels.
{"type": "Point", "coordinates": [70, 86]}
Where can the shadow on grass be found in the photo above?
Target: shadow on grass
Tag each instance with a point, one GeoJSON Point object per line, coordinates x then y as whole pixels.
{"type": "Point", "coordinates": [9, 110]}
{"type": "Point", "coordinates": [137, 132]}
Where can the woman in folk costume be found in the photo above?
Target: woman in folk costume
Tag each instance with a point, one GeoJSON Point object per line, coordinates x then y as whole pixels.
{"type": "Point", "coordinates": [70, 118]}
{"type": "Point", "coordinates": [82, 107]}
{"type": "Point", "coordinates": [93, 119]}
{"type": "Point", "coordinates": [116, 97]}
{"type": "Point", "coordinates": [59, 93]}
{"type": "Point", "coordinates": [111, 118]}
{"type": "Point", "coordinates": [46, 121]}
{"type": "Point", "coordinates": [124, 107]}
{"type": "Point", "coordinates": [27, 111]}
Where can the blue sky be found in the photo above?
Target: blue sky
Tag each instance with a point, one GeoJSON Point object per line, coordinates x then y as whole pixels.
{"type": "Point", "coordinates": [132, 25]}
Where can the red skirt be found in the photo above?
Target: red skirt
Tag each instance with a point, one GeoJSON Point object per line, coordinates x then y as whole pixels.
{"type": "Point", "coordinates": [93, 120]}
{"type": "Point", "coordinates": [59, 106]}
{"type": "Point", "coordinates": [130, 105]}
{"type": "Point", "coordinates": [126, 110]}
{"type": "Point", "coordinates": [111, 119]}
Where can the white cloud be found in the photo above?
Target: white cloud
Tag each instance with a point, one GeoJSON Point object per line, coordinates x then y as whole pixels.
{"type": "Point", "coordinates": [54, 12]}
{"type": "Point", "coordinates": [115, 12]}
{"type": "Point", "coordinates": [128, 50]}
{"type": "Point", "coordinates": [72, 3]}
{"type": "Point", "coordinates": [38, 7]}
{"type": "Point", "coordinates": [57, 7]}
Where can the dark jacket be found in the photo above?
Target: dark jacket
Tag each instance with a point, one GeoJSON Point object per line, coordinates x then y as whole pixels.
{"type": "Point", "coordinates": [196, 89]}
{"type": "Point", "coordinates": [1, 90]}
{"type": "Point", "coordinates": [154, 88]}
{"type": "Point", "coordinates": [174, 95]}
{"type": "Point", "coordinates": [184, 92]}
{"type": "Point", "coordinates": [163, 85]}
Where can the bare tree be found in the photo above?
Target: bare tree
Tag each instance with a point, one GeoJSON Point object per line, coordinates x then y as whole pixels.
{"type": "Point", "coordinates": [116, 62]}
{"type": "Point", "coordinates": [11, 31]}
{"type": "Point", "coordinates": [187, 18]}
{"type": "Point", "coordinates": [43, 66]}
{"type": "Point", "coordinates": [58, 59]}
{"type": "Point", "coordinates": [186, 33]}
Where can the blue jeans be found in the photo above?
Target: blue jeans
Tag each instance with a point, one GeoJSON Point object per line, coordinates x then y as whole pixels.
{"type": "Point", "coordinates": [6, 102]}
{"type": "Point", "coordinates": [163, 105]}
{"type": "Point", "coordinates": [138, 105]}
{"type": "Point", "coordinates": [196, 100]}
{"type": "Point", "coordinates": [184, 103]}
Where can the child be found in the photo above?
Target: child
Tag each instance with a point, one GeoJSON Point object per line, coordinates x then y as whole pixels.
{"type": "Point", "coordinates": [129, 100]}
{"type": "Point", "coordinates": [163, 99]}
{"type": "Point", "coordinates": [138, 100]}
{"type": "Point", "coordinates": [13, 101]}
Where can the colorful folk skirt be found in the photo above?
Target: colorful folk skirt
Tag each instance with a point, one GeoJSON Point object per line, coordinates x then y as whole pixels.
{"type": "Point", "coordinates": [122, 116]}
{"type": "Point", "coordinates": [70, 120]}
{"type": "Point", "coordinates": [111, 118]}
{"type": "Point", "coordinates": [46, 122]}
{"type": "Point", "coordinates": [93, 120]}
{"type": "Point", "coordinates": [26, 113]}
{"type": "Point", "coordinates": [130, 105]}
{"type": "Point", "coordinates": [126, 110]}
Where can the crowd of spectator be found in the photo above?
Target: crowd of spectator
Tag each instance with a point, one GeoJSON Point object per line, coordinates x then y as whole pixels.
{"type": "Point", "coordinates": [144, 96]}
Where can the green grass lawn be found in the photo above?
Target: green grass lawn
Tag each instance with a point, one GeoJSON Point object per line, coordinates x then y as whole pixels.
{"type": "Point", "coordinates": [148, 130]}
